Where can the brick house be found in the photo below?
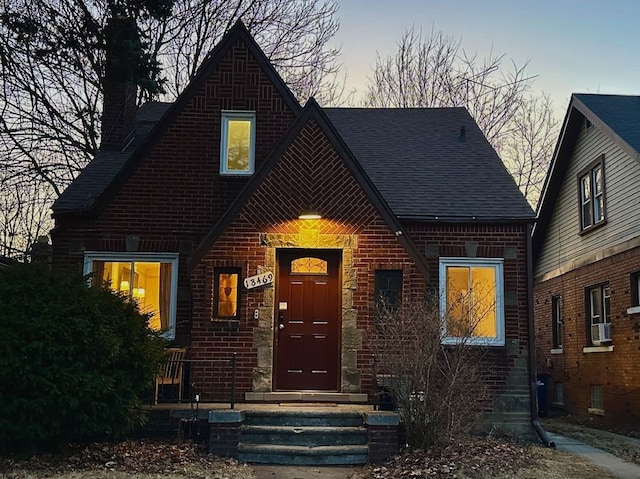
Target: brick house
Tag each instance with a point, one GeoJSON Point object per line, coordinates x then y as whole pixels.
{"type": "Point", "coordinates": [194, 209]}
{"type": "Point", "coordinates": [587, 261]}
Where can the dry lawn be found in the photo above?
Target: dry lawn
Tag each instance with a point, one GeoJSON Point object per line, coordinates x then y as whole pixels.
{"type": "Point", "coordinates": [623, 447]}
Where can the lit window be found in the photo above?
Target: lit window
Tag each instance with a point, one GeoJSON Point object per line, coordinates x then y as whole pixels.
{"type": "Point", "coordinates": [309, 265]}
{"type": "Point", "coordinates": [599, 313]}
{"type": "Point", "coordinates": [556, 317]}
{"type": "Point", "coordinates": [592, 205]}
{"type": "Point", "coordinates": [227, 293]}
{"type": "Point", "coordinates": [237, 143]}
{"type": "Point", "coordinates": [149, 279]}
{"type": "Point", "coordinates": [472, 300]}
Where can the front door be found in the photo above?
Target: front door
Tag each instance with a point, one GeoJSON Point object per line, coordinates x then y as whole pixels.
{"type": "Point", "coordinates": [307, 320]}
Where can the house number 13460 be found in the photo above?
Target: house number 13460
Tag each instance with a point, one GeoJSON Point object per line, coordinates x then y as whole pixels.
{"type": "Point", "coordinates": [258, 280]}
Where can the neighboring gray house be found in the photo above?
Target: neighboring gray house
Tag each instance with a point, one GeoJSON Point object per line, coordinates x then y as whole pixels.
{"type": "Point", "coordinates": [586, 247]}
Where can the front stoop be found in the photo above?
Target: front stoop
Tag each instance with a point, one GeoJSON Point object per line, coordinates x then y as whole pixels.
{"type": "Point", "coordinates": [304, 437]}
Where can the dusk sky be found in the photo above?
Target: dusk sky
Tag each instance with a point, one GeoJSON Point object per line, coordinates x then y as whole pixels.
{"type": "Point", "coordinates": [586, 46]}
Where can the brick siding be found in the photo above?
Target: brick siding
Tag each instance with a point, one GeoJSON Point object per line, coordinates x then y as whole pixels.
{"type": "Point", "coordinates": [617, 371]}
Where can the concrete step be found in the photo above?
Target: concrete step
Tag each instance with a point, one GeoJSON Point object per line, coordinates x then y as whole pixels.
{"type": "Point", "coordinates": [303, 418]}
{"type": "Point", "coordinates": [303, 455]}
{"type": "Point", "coordinates": [308, 436]}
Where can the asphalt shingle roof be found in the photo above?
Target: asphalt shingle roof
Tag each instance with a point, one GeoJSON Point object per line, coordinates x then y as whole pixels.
{"type": "Point", "coordinates": [425, 169]}
{"type": "Point", "coordinates": [620, 112]}
{"type": "Point", "coordinates": [83, 192]}
{"type": "Point", "coordinates": [416, 158]}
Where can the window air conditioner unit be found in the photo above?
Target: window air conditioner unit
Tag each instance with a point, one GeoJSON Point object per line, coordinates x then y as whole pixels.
{"type": "Point", "coordinates": [600, 333]}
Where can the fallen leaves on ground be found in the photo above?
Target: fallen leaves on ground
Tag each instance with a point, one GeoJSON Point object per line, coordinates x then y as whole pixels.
{"type": "Point", "coordinates": [134, 457]}
{"type": "Point", "coordinates": [467, 457]}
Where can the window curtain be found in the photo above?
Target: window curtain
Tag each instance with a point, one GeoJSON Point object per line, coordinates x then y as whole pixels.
{"type": "Point", "coordinates": [98, 273]}
{"type": "Point", "coordinates": [165, 295]}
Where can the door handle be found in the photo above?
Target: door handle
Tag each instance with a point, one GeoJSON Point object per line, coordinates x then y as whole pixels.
{"type": "Point", "coordinates": [281, 320]}
{"type": "Point", "coordinates": [281, 326]}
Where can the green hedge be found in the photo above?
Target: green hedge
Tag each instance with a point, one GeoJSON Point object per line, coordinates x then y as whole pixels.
{"type": "Point", "coordinates": [75, 361]}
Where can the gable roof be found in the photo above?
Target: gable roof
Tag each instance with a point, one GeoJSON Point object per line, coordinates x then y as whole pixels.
{"type": "Point", "coordinates": [81, 195]}
{"type": "Point", "coordinates": [617, 116]}
{"type": "Point", "coordinates": [431, 163]}
{"type": "Point", "coordinates": [108, 169]}
{"type": "Point", "coordinates": [311, 111]}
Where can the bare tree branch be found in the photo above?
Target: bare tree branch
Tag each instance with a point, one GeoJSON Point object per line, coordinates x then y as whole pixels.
{"type": "Point", "coordinates": [433, 71]}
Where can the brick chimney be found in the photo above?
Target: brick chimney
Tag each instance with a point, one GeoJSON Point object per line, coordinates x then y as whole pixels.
{"type": "Point", "coordinates": [119, 88]}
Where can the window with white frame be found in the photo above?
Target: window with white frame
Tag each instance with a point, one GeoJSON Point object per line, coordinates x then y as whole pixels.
{"type": "Point", "coordinates": [556, 320]}
{"type": "Point", "coordinates": [599, 313]}
{"type": "Point", "coordinates": [237, 143]}
{"type": "Point", "coordinates": [150, 279]}
{"type": "Point", "coordinates": [592, 197]}
{"type": "Point", "coordinates": [472, 300]}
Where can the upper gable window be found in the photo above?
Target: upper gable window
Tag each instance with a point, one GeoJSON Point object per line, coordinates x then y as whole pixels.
{"type": "Point", "coordinates": [592, 204]}
{"type": "Point", "coordinates": [237, 143]}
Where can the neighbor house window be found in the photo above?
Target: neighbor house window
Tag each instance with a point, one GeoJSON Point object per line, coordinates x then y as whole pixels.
{"type": "Point", "coordinates": [599, 313]}
{"type": "Point", "coordinates": [597, 399]}
{"type": "Point", "coordinates": [388, 289]}
{"type": "Point", "coordinates": [472, 300]}
{"type": "Point", "coordinates": [227, 293]}
{"type": "Point", "coordinates": [559, 394]}
{"type": "Point", "coordinates": [592, 204]}
{"type": "Point", "coordinates": [237, 143]}
{"type": "Point", "coordinates": [150, 279]}
{"type": "Point", "coordinates": [635, 288]}
{"type": "Point", "coordinates": [556, 320]}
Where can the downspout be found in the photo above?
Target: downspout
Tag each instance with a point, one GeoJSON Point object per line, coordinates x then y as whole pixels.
{"type": "Point", "coordinates": [533, 386]}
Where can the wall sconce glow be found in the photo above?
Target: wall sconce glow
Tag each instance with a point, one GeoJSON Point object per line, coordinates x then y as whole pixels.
{"type": "Point", "coordinates": [309, 214]}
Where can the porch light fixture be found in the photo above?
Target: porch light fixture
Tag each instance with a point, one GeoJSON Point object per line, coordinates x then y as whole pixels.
{"type": "Point", "coordinates": [309, 214]}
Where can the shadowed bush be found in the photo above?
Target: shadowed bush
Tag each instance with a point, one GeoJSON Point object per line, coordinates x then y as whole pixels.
{"type": "Point", "coordinates": [75, 360]}
{"type": "Point", "coordinates": [437, 388]}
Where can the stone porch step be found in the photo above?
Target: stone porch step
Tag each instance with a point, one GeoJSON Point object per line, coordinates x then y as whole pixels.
{"type": "Point", "coordinates": [303, 418]}
{"type": "Point", "coordinates": [303, 437]}
{"type": "Point", "coordinates": [306, 396]}
{"type": "Point", "coordinates": [303, 455]}
{"type": "Point", "coordinates": [308, 436]}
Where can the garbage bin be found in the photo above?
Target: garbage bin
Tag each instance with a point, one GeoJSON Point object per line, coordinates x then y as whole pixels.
{"type": "Point", "coordinates": [542, 384]}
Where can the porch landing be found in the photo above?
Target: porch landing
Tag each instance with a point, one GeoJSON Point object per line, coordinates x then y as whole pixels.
{"type": "Point", "coordinates": [311, 432]}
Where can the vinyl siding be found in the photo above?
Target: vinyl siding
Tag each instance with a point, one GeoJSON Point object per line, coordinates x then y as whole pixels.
{"type": "Point", "coordinates": [563, 243]}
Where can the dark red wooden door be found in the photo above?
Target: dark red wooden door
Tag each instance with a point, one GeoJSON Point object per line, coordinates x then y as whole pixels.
{"type": "Point", "coordinates": [308, 320]}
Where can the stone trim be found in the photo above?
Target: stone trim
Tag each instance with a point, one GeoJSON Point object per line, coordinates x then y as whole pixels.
{"type": "Point", "coordinates": [352, 338]}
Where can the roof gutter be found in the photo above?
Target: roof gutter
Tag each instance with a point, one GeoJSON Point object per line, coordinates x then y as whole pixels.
{"type": "Point", "coordinates": [466, 219]}
{"type": "Point", "coordinates": [533, 383]}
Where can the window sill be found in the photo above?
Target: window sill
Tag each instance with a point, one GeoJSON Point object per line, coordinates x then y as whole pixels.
{"type": "Point", "coordinates": [597, 349]}
{"type": "Point", "coordinates": [557, 351]}
{"type": "Point", "coordinates": [633, 310]}
{"type": "Point", "coordinates": [595, 411]}
{"type": "Point", "coordinates": [488, 342]}
{"type": "Point", "coordinates": [557, 404]}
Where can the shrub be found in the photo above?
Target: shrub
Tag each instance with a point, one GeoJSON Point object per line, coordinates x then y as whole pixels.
{"type": "Point", "coordinates": [75, 360]}
{"type": "Point", "coordinates": [438, 389]}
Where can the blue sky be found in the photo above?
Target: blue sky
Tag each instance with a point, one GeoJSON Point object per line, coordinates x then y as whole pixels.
{"type": "Point", "coordinates": [587, 46]}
